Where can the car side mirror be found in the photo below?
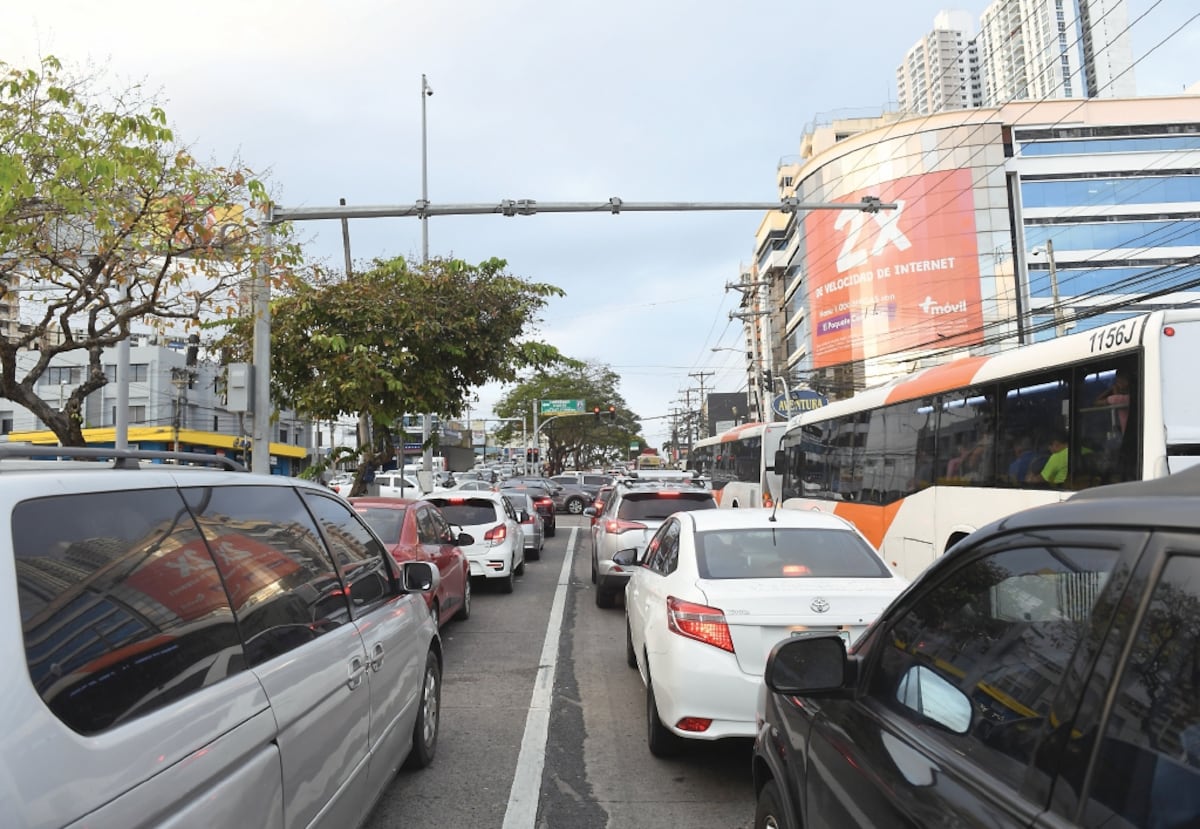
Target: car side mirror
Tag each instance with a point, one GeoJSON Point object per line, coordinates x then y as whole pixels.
{"type": "Point", "coordinates": [420, 577]}
{"type": "Point", "coordinates": [465, 540]}
{"type": "Point", "coordinates": [780, 462]}
{"type": "Point", "coordinates": [626, 558]}
{"type": "Point", "coordinates": [809, 664]}
{"type": "Point", "coordinates": [590, 511]}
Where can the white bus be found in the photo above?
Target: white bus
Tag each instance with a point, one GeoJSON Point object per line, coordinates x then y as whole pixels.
{"type": "Point", "coordinates": [739, 463]}
{"type": "Point", "coordinates": [925, 460]}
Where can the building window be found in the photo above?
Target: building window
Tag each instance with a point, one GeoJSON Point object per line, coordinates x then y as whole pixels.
{"type": "Point", "coordinates": [62, 375]}
{"type": "Point", "coordinates": [6, 422]}
{"type": "Point", "coordinates": [138, 373]}
{"type": "Point", "coordinates": [137, 414]}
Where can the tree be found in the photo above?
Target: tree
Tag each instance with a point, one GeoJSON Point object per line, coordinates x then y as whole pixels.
{"type": "Point", "coordinates": [399, 338]}
{"type": "Point", "coordinates": [108, 220]}
{"type": "Point", "coordinates": [576, 441]}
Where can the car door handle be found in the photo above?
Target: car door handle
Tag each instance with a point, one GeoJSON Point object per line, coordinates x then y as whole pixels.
{"type": "Point", "coordinates": [377, 656]}
{"type": "Point", "coordinates": [357, 670]}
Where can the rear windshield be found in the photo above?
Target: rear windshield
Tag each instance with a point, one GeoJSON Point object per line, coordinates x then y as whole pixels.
{"type": "Point", "coordinates": [655, 506]}
{"type": "Point", "coordinates": [471, 511]}
{"type": "Point", "coordinates": [385, 521]}
{"type": "Point", "coordinates": [786, 552]}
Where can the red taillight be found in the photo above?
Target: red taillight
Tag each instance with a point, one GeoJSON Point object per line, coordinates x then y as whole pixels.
{"type": "Point", "coordinates": [458, 500]}
{"type": "Point", "coordinates": [496, 534]}
{"type": "Point", "coordinates": [693, 724]}
{"type": "Point", "coordinates": [700, 622]}
{"type": "Point", "coordinates": [544, 502]}
{"type": "Point", "coordinates": [616, 526]}
{"type": "Point", "coordinates": [668, 495]}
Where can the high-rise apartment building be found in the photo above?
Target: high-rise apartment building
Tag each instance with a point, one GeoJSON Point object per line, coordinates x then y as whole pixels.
{"type": "Point", "coordinates": [941, 71]}
{"type": "Point", "coordinates": [1045, 49]}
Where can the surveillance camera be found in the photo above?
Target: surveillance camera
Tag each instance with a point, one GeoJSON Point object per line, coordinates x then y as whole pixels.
{"type": "Point", "coordinates": [429, 92]}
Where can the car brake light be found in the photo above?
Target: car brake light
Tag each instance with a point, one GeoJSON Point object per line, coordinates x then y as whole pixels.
{"type": "Point", "coordinates": [458, 500]}
{"type": "Point", "coordinates": [668, 494]}
{"type": "Point", "coordinates": [496, 534]}
{"type": "Point", "coordinates": [616, 526]}
{"type": "Point", "coordinates": [544, 501]}
{"type": "Point", "coordinates": [693, 724]}
{"type": "Point", "coordinates": [700, 622]}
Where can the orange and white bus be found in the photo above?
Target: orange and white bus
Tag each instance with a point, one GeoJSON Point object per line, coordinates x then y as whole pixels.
{"type": "Point", "coordinates": [740, 464]}
{"type": "Point", "coordinates": [921, 462]}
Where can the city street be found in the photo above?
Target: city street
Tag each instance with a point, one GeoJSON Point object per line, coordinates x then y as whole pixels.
{"type": "Point", "coordinates": [597, 769]}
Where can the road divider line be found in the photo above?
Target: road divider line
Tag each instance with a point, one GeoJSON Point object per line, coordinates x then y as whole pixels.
{"type": "Point", "coordinates": [521, 812]}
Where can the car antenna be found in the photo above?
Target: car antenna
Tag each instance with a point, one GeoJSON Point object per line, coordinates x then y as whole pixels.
{"type": "Point", "coordinates": [774, 508]}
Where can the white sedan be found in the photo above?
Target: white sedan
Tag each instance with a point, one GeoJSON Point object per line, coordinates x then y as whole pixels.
{"type": "Point", "coordinates": [717, 589]}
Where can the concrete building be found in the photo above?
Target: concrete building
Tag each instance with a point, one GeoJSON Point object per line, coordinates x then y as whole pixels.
{"type": "Point", "coordinates": [1104, 195]}
{"type": "Point", "coordinates": [941, 71]}
{"type": "Point", "coordinates": [171, 404]}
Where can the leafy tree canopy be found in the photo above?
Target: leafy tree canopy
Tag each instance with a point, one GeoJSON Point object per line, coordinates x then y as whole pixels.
{"type": "Point", "coordinates": [106, 219]}
{"type": "Point", "coordinates": [400, 338]}
{"type": "Point", "coordinates": [575, 441]}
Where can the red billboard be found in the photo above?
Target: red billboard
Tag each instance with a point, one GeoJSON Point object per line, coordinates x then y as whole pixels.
{"type": "Point", "coordinates": [898, 279]}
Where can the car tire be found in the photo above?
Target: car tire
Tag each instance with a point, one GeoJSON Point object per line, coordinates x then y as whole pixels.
{"type": "Point", "coordinates": [606, 597]}
{"type": "Point", "coordinates": [464, 610]}
{"type": "Point", "coordinates": [425, 729]}
{"type": "Point", "coordinates": [630, 653]}
{"type": "Point", "coordinates": [535, 554]}
{"type": "Point", "coordinates": [506, 583]}
{"type": "Point", "coordinates": [576, 506]}
{"type": "Point", "coordinates": [519, 569]}
{"type": "Point", "coordinates": [769, 812]}
{"type": "Point", "coordinates": [551, 529]}
{"type": "Point", "coordinates": [595, 569]}
{"type": "Point", "coordinates": [662, 741]}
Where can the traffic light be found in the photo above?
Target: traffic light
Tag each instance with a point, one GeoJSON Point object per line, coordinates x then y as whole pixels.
{"type": "Point", "coordinates": [612, 412]}
{"type": "Point", "coordinates": [596, 412]}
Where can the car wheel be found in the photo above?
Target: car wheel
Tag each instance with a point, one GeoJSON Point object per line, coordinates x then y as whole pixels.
{"type": "Point", "coordinates": [519, 569]}
{"type": "Point", "coordinates": [575, 506]}
{"type": "Point", "coordinates": [464, 610]}
{"type": "Point", "coordinates": [535, 554]}
{"type": "Point", "coordinates": [551, 529]}
{"type": "Point", "coordinates": [425, 730]}
{"type": "Point", "coordinates": [630, 654]}
{"type": "Point", "coordinates": [662, 741]}
{"type": "Point", "coordinates": [606, 597]}
{"type": "Point", "coordinates": [768, 814]}
{"type": "Point", "coordinates": [506, 583]}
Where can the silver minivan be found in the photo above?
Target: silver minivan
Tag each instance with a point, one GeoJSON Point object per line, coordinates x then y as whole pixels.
{"type": "Point", "coordinates": [201, 647]}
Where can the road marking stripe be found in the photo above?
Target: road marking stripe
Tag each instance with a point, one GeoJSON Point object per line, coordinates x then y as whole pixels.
{"type": "Point", "coordinates": [521, 812]}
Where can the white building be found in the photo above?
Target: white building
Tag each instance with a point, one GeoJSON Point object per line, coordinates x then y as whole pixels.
{"type": "Point", "coordinates": [941, 71]}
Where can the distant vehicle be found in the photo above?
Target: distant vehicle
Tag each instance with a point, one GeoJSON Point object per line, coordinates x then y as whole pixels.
{"type": "Point", "coordinates": [715, 589]}
{"type": "Point", "coordinates": [650, 462]}
{"type": "Point", "coordinates": [543, 500]}
{"type": "Point", "coordinates": [740, 463]}
{"type": "Point", "coordinates": [499, 549]}
{"type": "Point", "coordinates": [1043, 672]}
{"type": "Point", "coordinates": [632, 514]}
{"type": "Point", "coordinates": [921, 463]}
{"type": "Point", "coordinates": [416, 531]}
{"type": "Point", "coordinates": [531, 522]}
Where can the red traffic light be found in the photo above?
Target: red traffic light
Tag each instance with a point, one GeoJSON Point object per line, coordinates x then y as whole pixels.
{"type": "Point", "coordinates": [612, 412]}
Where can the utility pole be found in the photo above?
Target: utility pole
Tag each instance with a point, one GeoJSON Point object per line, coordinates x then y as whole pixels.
{"type": "Point", "coordinates": [700, 375]}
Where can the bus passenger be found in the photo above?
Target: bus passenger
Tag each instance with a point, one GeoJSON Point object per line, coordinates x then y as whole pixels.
{"type": "Point", "coordinates": [1054, 470]}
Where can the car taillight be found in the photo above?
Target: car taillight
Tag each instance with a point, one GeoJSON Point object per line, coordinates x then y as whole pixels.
{"type": "Point", "coordinates": [700, 622]}
{"type": "Point", "coordinates": [616, 526]}
{"type": "Point", "coordinates": [496, 534]}
{"type": "Point", "coordinates": [544, 502]}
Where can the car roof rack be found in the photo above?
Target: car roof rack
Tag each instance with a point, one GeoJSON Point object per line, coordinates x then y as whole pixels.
{"type": "Point", "coordinates": [121, 458]}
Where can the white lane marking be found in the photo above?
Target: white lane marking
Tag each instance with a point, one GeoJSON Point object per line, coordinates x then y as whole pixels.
{"type": "Point", "coordinates": [521, 812]}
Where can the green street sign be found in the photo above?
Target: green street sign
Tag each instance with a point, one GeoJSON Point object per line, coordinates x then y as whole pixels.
{"type": "Point", "coordinates": [560, 406]}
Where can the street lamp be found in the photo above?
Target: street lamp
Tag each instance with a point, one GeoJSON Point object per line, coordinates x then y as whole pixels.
{"type": "Point", "coordinates": [426, 425]}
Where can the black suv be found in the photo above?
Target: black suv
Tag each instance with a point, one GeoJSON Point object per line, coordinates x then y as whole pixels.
{"type": "Point", "coordinates": [1044, 672]}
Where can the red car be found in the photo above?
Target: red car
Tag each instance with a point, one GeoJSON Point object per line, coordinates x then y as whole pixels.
{"type": "Point", "coordinates": [416, 531]}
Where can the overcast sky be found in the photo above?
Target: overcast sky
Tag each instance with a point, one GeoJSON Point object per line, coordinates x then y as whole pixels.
{"type": "Point", "coordinates": [552, 101]}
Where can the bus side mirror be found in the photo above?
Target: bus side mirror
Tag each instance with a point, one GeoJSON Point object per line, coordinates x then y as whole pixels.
{"type": "Point", "coordinates": [780, 462]}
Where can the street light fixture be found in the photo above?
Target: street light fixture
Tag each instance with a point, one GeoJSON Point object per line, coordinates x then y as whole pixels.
{"type": "Point", "coordinates": [1060, 324]}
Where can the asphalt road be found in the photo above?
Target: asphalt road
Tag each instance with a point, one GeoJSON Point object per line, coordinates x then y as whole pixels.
{"type": "Point", "coordinates": [585, 728]}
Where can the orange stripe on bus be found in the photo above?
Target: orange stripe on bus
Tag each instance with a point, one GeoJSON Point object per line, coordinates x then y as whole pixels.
{"type": "Point", "coordinates": [939, 378]}
{"type": "Point", "coordinates": [872, 521]}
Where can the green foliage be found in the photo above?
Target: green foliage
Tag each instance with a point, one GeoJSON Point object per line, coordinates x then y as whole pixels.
{"type": "Point", "coordinates": [576, 441]}
{"type": "Point", "coordinates": [103, 208]}
{"type": "Point", "coordinates": [400, 338]}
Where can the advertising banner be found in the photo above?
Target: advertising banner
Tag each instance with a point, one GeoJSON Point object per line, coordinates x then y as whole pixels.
{"type": "Point", "coordinates": [898, 279]}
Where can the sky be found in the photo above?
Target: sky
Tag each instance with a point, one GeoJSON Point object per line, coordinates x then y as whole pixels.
{"type": "Point", "coordinates": [552, 101]}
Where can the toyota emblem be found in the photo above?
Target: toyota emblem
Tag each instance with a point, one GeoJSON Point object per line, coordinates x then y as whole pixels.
{"type": "Point", "coordinates": [819, 606]}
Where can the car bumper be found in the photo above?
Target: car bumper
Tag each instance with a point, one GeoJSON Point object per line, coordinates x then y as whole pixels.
{"type": "Point", "coordinates": [696, 680]}
{"type": "Point", "coordinates": [492, 563]}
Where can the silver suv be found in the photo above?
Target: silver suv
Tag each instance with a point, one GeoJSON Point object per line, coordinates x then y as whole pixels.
{"type": "Point", "coordinates": [202, 647]}
{"type": "Point", "coordinates": [633, 512]}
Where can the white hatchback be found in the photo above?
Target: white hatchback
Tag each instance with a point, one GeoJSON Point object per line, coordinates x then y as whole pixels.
{"type": "Point", "coordinates": [717, 589]}
{"type": "Point", "coordinates": [499, 548]}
